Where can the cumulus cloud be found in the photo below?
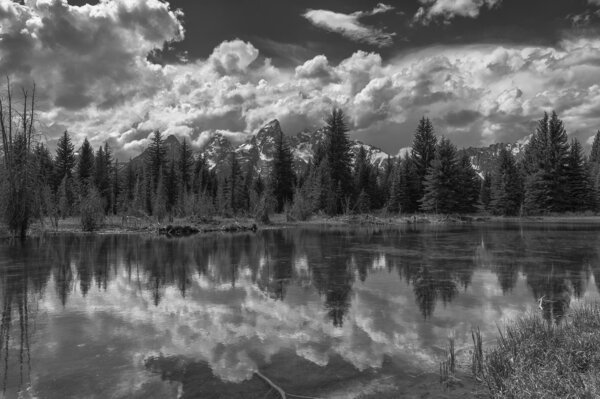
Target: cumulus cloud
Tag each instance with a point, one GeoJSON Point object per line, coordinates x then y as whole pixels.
{"type": "Point", "coordinates": [448, 9]}
{"type": "Point", "coordinates": [349, 25]}
{"type": "Point", "coordinates": [93, 77]}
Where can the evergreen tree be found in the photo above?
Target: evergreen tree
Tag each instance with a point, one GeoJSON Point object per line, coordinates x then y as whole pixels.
{"type": "Point", "coordinates": [403, 192]}
{"type": "Point", "coordinates": [44, 164]}
{"type": "Point", "coordinates": [385, 183]}
{"type": "Point", "coordinates": [339, 157]}
{"type": "Point", "coordinates": [485, 192]}
{"type": "Point", "coordinates": [441, 182]}
{"type": "Point", "coordinates": [506, 193]}
{"type": "Point", "coordinates": [159, 203]}
{"type": "Point", "coordinates": [579, 188]}
{"type": "Point", "coordinates": [468, 184]}
{"type": "Point", "coordinates": [85, 166]}
{"type": "Point", "coordinates": [171, 188]}
{"type": "Point", "coordinates": [423, 152]}
{"type": "Point", "coordinates": [558, 153]}
{"type": "Point", "coordinates": [116, 188]}
{"type": "Point", "coordinates": [156, 157]}
{"type": "Point", "coordinates": [595, 154]}
{"type": "Point", "coordinates": [65, 158]}
{"type": "Point", "coordinates": [131, 179]}
{"type": "Point", "coordinates": [365, 180]}
{"type": "Point", "coordinates": [545, 164]}
{"type": "Point", "coordinates": [233, 186]}
{"type": "Point", "coordinates": [282, 175]}
{"type": "Point", "coordinates": [185, 165]}
{"type": "Point", "coordinates": [102, 177]}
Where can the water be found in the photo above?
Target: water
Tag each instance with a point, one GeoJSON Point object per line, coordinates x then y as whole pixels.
{"type": "Point", "coordinates": [328, 312]}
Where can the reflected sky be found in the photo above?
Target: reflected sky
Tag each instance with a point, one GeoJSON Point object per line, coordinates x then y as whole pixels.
{"type": "Point", "coordinates": [320, 311]}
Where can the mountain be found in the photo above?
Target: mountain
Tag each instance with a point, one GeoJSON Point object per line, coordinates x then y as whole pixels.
{"type": "Point", "coordinates": [258, 150]}
{"type": "Point", "coordinates": [173, 147]}
{"type": "Point", "coordinates": [483, 159]}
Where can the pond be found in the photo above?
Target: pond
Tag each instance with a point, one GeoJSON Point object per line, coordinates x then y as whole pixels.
{"type": "Point", "coordinates": [321, 312]}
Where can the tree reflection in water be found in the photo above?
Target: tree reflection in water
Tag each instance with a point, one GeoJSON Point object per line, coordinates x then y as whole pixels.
{"type": "Point", "coordinates": [438, 264]}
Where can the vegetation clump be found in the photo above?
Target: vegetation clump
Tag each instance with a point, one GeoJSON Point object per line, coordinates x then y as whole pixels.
{"type": "Point", "coordinates": [538, 359]}
{"type": "Point", "coordinates": [92, 211]}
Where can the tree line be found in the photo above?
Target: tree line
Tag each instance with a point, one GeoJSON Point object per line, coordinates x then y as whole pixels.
{"type": "Point", "coordinates": [553, 176]}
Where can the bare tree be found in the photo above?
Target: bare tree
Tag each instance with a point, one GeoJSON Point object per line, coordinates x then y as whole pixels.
{"type": "Point", "coordinates": [17, 132]}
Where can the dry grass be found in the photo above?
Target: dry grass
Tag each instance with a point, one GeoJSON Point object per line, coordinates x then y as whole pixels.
{"type": "Point", "coordinates": [537, 359]}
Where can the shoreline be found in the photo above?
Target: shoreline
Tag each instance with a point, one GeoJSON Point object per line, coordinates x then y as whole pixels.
{"type": "Point", "coordinates": [113, 224]}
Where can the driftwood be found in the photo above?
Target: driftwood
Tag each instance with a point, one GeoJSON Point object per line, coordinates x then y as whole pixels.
{"type": "Point", "coordinates": [186, 230]}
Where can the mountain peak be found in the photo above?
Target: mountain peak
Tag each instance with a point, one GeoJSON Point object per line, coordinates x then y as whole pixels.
{"type": "Point", "coordinates": [273, 125]}
{"type": "Point", "coordinates": [269, 132]}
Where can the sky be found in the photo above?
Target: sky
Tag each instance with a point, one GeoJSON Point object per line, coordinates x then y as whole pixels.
{"type": "Point", "coordinates": [484, 71]}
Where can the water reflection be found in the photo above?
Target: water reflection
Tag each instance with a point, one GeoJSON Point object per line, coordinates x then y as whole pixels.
{"type": "Point", "coordinates": [127, 308]}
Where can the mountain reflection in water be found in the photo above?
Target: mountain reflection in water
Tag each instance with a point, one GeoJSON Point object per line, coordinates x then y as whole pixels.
{"type": "Point", "coordinates": [138, 316]}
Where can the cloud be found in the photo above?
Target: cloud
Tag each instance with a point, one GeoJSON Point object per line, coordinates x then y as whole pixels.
{"type": "Point", "coordinates": [349, 25]}
{"type": "Point", "coordinates": [94, 79]}
{"type": "Point", "coordinates": [449, 9]}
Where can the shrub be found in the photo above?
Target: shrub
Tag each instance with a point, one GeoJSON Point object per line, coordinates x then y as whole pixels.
{"type": "Point", "coordinates": [92, 210]}
{"type": "Point", "coordinates": [302, 207]}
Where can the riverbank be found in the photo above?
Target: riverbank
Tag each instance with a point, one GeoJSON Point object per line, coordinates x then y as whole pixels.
{"type": "Point", "coordinates": [535, 359]}
{"type": "Point", "coordinates": [134, 225]}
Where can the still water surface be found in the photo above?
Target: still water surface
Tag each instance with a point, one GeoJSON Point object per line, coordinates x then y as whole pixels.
{"type": "Point", "coordinates": [328, 312]}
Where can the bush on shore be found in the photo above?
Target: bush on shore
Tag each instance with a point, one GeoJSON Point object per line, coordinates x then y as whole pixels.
{"type": "Point", "coordinates": [92, 211]}
{"type": "Point", "coordinates": [538, 359]}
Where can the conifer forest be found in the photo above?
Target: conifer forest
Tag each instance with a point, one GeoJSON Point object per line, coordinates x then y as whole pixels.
{"type": "Point", "coordinates": [553, 176]}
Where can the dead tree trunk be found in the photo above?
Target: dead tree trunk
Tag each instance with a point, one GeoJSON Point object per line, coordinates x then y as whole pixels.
{"type": "Point", "coordinates": [17, 133]}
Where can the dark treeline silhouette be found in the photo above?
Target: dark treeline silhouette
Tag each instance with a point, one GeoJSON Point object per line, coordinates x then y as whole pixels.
{"type": "Point", "coordinates": [552, 176]}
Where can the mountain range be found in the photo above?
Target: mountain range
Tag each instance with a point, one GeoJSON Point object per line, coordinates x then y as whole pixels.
{"type": "Point", "coordinates": [259, 148]}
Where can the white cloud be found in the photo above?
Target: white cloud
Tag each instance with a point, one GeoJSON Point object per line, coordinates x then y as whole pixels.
{"type": "Point", "coordinates": [98, 86]}
{"type": "Point", "coordinates": [448, 9]}
{"type": "Point", "coordinates": [349, 25]}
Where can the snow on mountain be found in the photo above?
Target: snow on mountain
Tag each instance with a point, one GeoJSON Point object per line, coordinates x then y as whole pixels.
{"type": "Point", "coordinates": [377, 157]}
{"type": "Point", "coordinates": [216, 150]}
{"type": "Point", "coordinates": [483, 159]}
{"type": "Point", "coordinates": [259, 148]}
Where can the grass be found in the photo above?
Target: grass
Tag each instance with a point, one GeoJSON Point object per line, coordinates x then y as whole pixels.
{"type": "Point", "coordinates": [537, 359]}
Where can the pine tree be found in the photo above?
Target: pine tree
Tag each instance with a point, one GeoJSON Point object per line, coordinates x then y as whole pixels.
{"type": "Point", "coordinates": [101, 176]}
{"type": "Point", "coordinates": [485, 192]}
{"type": "Point", "coordinates": [441, 182]}
{"type": "Point", "coordinates": [385, 183]}
{"type": "Point", "coordinates": [159, 203]}
{"type": "Point", "coordinates": [171, 188]}
{"type": "Point", "coordinates": [185, 165]}
{"type": "Point", "coordinates": [130, 183]}
{"type": "Point", "coordinates": [156, 158]}
{"type": "Point", "coordinates": [339, 157]}
{"type": "Point", "coordinates": [64, 205]}
{"type": "Point", "coordinates": [506, 192]}
{"type": "Point", "coordinates": [65, 158]}
{"type": "Point", "coordinates": [116, 188]}
{"type": "Point", "coordinates": [557, 157]}
{"type": "Point", "coordinates": [423, 152]}
{"type": "Point", "coordinates": [595, 154]}
{"type": "Point", "coordinates": [468, 184]}
{"type": "Point", "coordinates": [85, 166]}
{"type": "Point", "coordinates": [233, 185]}
{"type": "Point", "coordinates": [579, 188]}
{"type": "Point", "coordinates": [404, 190]}
{"type": "Point", "coordinates": [545, 164]}
{"type": "Point", "coordinates": [282, 175]}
